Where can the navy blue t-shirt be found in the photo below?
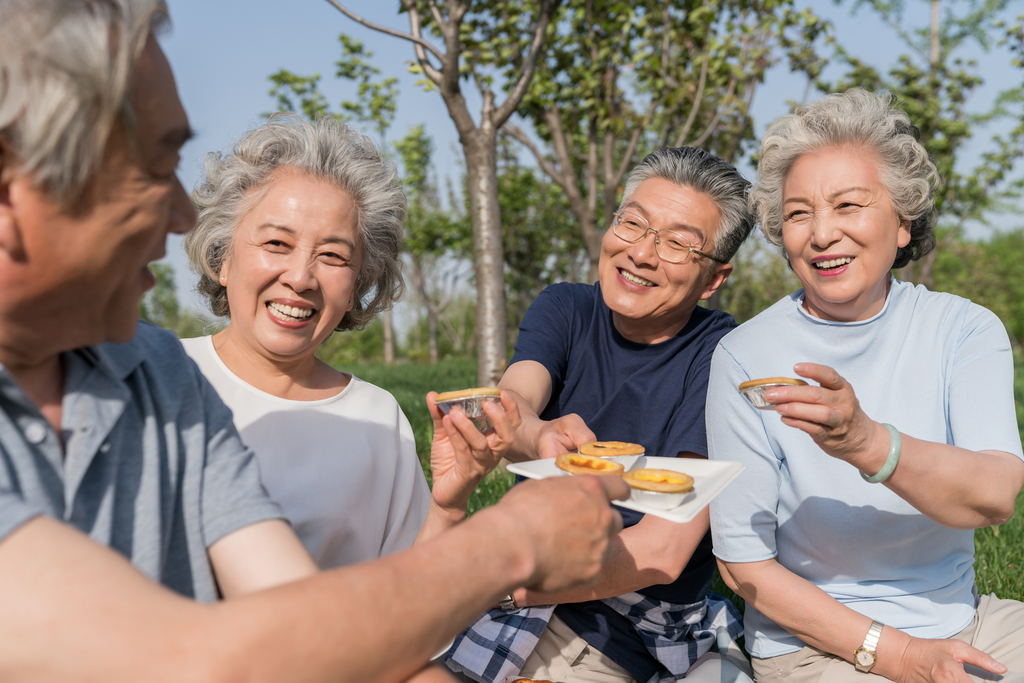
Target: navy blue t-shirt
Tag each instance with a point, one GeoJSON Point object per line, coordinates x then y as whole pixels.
{"type": "Point", "coordinates": [650, 394]}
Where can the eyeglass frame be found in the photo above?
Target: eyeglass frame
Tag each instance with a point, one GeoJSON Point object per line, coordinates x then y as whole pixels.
{"type": "Point", "coordinates": [617, 218]}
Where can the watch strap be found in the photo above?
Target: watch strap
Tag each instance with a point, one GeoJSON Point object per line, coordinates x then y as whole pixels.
{"type": "Point", "coordinates": [870, 645]}
{"type": "Point", "coordinates": [508, 605]}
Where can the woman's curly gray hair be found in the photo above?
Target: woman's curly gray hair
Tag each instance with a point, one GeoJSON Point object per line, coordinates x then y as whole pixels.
{"type": "Point", "coordinates": [856, 117]}
{"type": "Point", "coordinates": [327, 150]}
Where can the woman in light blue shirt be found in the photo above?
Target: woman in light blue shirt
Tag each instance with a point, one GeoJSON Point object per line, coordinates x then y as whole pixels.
{"type": "Point", "coordinates": [850, 533]}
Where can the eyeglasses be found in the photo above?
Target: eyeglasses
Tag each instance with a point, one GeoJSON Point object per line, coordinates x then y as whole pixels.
{"type": "Point", "coordinates": [671, 246]}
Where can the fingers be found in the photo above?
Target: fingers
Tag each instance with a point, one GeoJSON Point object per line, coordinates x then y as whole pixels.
{"type": "Point", "coordinates": [435, 412]}
{"type": "Point", "coordinates": [982, 660]}
{"type": "Point", "coordinates": [822, 374]}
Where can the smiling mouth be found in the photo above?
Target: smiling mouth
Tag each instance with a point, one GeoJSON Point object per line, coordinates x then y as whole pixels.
{"type": "Point", "coordinates": [289, 313]}
{"type": "Point", "coordinates": [832, 264]}
{"type": "Point", "coordinates": [636, 280]}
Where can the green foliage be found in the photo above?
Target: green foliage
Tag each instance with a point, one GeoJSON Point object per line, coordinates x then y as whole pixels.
{"type": "Point", "coordinates": [989, 273]}
{"type": "Point", "coordinates": [761, 276]}
{"type": "Point", "coordinates": [353, 346]}
{"type": "Point", "coordinates": [160, 307]}
{"type": "Point", "coordinates": [541, 238]}
{"type": "Point", "coordinates": [298, 95]}
{"type": "Point", "coordinates": [376, 100]}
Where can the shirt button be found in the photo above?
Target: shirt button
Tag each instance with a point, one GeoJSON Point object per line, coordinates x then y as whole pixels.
{"type": "Point", "coordinates": [35, 432]}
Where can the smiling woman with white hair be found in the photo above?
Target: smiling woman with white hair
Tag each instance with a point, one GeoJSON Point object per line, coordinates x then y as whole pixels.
{"type": "Point", "coordinates": [854, 548]}
{"type": "Point", "coordinates": [298, 236]}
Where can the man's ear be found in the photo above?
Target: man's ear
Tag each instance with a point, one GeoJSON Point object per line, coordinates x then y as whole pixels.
{"type": "Point", "coordinates": [718, 277]}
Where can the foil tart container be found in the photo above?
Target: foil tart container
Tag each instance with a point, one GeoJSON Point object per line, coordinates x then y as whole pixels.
{"type": "Point", "coordinates": [755, 394]}
{"type": "Point", "coordinates": [472, 407]}
{"type": "Point", "coordinates": [658, 499]}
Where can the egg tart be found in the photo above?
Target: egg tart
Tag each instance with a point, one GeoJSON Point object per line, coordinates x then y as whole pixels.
{"type": "Point", "coordinates": [754, 389]}
{"type": "Point", "coordinates": [663, 489]}
{"type": "Point", "coordinates": [471, 402]}
{"type": "Point", "coordinates": [608, 449]}
{"type": "Point", "coordinates": [578, 463]}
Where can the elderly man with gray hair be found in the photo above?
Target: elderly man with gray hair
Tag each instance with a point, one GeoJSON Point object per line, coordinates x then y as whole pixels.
{"type": "Point", "coordinates": [627, 359]}
{"type": "Point", "coordinates": [124, 488]}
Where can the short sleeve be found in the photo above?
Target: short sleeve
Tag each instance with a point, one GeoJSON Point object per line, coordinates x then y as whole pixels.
{"type": "Point", "coordinates": [410, 496]}
{"type": "Point", "coordinates": [545, 335]}
{"type": "Point", "coordinates": [744, 517]}
{"type": "Point", "coordinates": [982, 415]}
{"type": "Point", "coordinates": [688, 427]}
{"type": "Point", "coordinates": [233, 495]}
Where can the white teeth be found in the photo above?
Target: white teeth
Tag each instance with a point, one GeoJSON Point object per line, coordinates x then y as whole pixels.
{"type": "Point", "coordinates": [293, 312]}
{"type": "Point", "coordinates": [833, 263]}
{"type": "Point", "coordinates": [629, 277]}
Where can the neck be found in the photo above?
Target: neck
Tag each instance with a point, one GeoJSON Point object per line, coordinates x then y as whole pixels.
{"type": "Point", "coordinates": [862, 308]}
{"type": "Point", "coordinates": [299, 378]}
{"type": "Point", "coordinates": [42, 380]}
{"type": "Point", "coordinates": [649, 331]}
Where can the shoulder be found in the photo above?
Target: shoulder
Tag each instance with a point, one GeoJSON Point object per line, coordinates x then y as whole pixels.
{"type": "Point", "coordinates": [371, 393]}
{"type": "Point", "coordinates": [943, 310]}
{"type": "Point", "coordinates": [568, 295]}
{"type": "Point", "coordinates": [764, 323]}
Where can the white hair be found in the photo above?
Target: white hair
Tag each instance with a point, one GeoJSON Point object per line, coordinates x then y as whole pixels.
{"type": "Point", "coordinates": [861, 118]}
{"type": "Point", "coordinates": [327, 150]}
{"type": "Point", "coordinates": [65, 73]}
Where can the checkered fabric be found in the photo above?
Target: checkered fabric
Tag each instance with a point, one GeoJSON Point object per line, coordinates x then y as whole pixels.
{"type": "Point", "coordinates": [495, 648]}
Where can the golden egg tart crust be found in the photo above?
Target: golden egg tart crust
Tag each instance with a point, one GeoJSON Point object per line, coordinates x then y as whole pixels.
{"type": "Point", "coordinates": [607, 449]}
{"type": "Point", "coordinates": [772, 380]}
{"type": "Point", "coordinates": [661, 481]}
{"type": "Point", "coordinates": [578, 463]}
{"type": "Point", "coordinates": [468, 393]}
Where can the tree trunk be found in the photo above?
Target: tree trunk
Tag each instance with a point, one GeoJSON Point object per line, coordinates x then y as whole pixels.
{"type": "Point", "coordinates": [389, 338]}
{"type": "Point", "coordinates": [488, 257]}
{"type": "Point", "coordinates": [432, 334]}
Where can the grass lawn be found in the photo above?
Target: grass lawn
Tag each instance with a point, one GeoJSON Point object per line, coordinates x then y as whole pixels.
{"type": "Point", "coordinates": [999, 559]}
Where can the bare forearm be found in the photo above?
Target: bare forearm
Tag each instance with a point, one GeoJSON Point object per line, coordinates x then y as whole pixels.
{"type": "Point", "coordinates": [955, 487]}
{"type": "Point", "coordinates": [439, 520]}
{"type": "Point", "coordinates": [340, 625]}
{"type": "Point", "coordinates": [653, 552]}
{"type": "Point", "coordinates": [798, 606]}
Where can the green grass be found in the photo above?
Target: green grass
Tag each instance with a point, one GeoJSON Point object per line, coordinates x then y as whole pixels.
{"type": "Point", "coordinates": [999, 551]}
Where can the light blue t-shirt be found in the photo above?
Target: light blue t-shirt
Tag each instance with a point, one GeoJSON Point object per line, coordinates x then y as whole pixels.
{"type": "Point", "coordinates": [935, 366]}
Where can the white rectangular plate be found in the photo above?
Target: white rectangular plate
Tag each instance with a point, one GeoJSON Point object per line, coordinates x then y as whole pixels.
{"type": "Point", "coordinates": [709, 478]}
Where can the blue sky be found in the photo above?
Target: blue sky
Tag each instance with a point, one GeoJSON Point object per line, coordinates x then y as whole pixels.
{"type": "Point", "coordinates": [223, 50]}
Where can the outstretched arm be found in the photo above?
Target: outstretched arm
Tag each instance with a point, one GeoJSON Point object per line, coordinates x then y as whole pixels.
{"type": "Point", "coordinates": [74, 610]}
{"type": "Point", "coordinates": [529, 384]}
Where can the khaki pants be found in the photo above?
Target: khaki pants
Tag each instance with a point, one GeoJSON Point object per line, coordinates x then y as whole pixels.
{"type": "Point", "coordinates": [997, 629]}
{"type": "Point", "coordinates": [563, 656]}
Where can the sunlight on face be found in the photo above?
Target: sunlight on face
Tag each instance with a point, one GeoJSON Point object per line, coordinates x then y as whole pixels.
{"type": "Point", "coordinates": [292, 270]}
{"type": "Point", "coordinates": [841, 232]}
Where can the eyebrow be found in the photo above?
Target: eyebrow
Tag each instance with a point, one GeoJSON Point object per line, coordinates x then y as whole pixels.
{"type": "Point", "coordinates": [831, 197]}
{"type": "Point", "coordinates": [675, 226]}
{"type": "Point", "coordinates": [329, 240]}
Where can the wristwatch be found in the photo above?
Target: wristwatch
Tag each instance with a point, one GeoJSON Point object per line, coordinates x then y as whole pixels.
{"type": "Point", "coordinates": [864, 657]}
{"type": "Point", "coordinates": [508, 605]}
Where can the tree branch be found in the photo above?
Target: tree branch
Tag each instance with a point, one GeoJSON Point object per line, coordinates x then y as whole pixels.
{"type": "Point", "coordinates": [517, 133]}
{"type": "Point", "coordinates": [718, 117]}
{"type": "Point", "coordinates": [698, 98]}
{"type": "Point", "coordinates": [420, 42]}
{"type": "Point", "coordinates": [548, 8]}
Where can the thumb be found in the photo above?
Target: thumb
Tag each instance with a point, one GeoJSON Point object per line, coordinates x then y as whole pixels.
{"type": "Point", "coordinates": [981, 660]}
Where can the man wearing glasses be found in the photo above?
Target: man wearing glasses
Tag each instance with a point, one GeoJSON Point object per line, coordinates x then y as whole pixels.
{"type": "Point", "coordinates": [627, 359]}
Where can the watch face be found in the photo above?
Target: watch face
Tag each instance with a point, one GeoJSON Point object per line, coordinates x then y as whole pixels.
{"type": "Point", "coordinates": [865, 658]}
